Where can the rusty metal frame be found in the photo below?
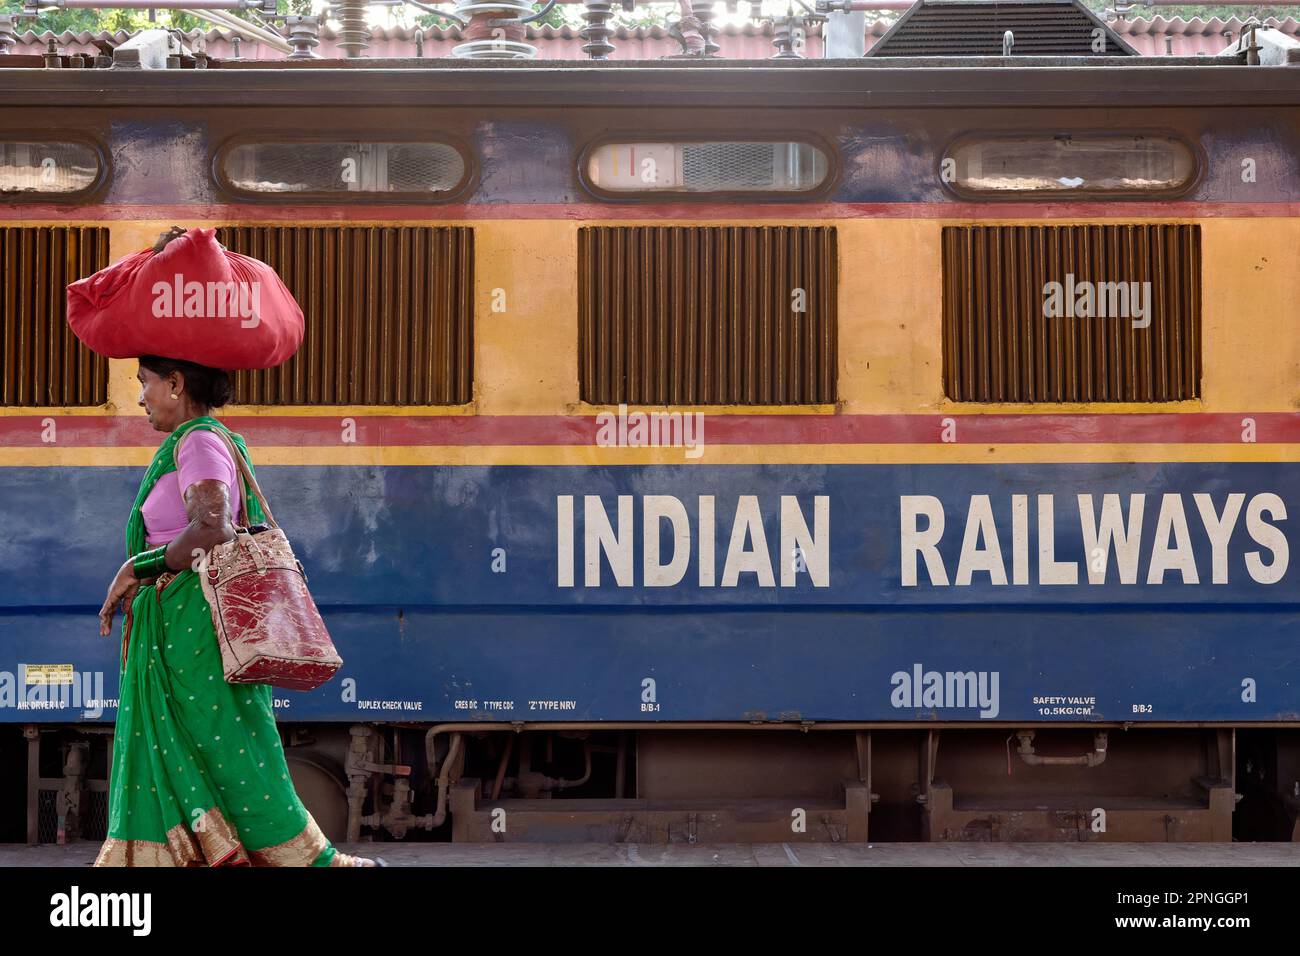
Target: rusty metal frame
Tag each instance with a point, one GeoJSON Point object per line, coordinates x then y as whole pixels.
{"type": "Point", "coordinates": [960, 83]}
{"type": "Point", "coordinates": [1161, 819]}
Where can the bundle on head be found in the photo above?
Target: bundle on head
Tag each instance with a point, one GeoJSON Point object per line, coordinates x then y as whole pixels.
{"type": "Point", "coordinates": [189, 298]}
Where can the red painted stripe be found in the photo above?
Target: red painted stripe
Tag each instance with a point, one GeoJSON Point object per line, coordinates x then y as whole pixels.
{"type": "Point", "coordinates": [501, 430]}
{"type": "Point", "coordinates": [650, 211]}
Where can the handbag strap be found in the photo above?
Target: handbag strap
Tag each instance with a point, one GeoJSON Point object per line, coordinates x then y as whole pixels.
{"type": "Point", "coordinates": [248, 482]}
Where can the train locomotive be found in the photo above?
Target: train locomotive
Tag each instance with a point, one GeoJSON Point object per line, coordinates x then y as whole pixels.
{"type": "Point", "coordinates": [784, 450]}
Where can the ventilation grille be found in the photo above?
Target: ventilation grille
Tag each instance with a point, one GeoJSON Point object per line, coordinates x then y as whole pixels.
{"type": "Point", "coordinates": [976, 29]}
{"type": "Point", "coordinates": [44, 364]}
{"type": "Point", "coordinates": [707, 315]}
{"type": "Point", "coordinates": [1009, 338]}
{"type": "Point", "coordinates": [389, 314]}
{"type": "Point", "coordinates": [94, 815]}
{"type": "Point", "coordinates": [47, 816]}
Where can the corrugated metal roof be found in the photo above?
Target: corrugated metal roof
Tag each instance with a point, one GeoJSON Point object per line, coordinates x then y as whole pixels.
{"type": "Point", "coordinates": [977, 27]}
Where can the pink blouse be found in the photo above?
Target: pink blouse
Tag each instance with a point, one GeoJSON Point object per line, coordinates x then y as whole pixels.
{"type": "Point", "coordinates": [201, 456]}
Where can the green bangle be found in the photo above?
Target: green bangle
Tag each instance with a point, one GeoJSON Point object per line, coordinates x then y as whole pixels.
{"type": "Point", "coordinates": [149, 564]}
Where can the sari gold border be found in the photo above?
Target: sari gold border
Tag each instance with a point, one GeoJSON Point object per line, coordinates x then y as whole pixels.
{"type": "Point", "coordinates": [219, 839]}
{"type": "Point", "coordinates": [213, 842]}
{"type": "Point", "coordinates": [302, 850]}
{"type": "Point", "coordinates": [134, 853]}
{"type": "Point", "coordinates": [181, 849]}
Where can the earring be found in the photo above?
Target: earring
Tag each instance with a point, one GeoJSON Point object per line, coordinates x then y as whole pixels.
{"type": "Point", "coordinates": [175, 395]}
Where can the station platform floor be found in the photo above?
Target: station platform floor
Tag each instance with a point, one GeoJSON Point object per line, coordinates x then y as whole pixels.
{"type": "Point", "coordinates": [83, 853]}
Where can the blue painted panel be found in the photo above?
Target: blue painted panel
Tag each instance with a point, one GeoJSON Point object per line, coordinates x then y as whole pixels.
{"type": "Point", "coordinates": [401, 561]}
{"type": "Point", "coordinates": [160, 163]}
{"type": "Point", "coordinates": [888, 161]}
{"type": "Point", "coordinates": [1149, 665]}
{"type": "Point", "coordinates": [525, 161]}
{"type": "Point", "coordinates": [884, 158]}
{"type": "Point", "coordinates": [426, 536]}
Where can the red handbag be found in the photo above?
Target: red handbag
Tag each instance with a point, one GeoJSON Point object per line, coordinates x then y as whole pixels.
{"type": "Point", "coordinates": [267, 625]}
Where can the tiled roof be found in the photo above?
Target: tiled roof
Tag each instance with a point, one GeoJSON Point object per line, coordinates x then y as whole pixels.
{"type": "Point", "coordinates": [1151, 37]}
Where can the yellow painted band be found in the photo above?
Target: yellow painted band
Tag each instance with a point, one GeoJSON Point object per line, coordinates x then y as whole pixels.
{"type": "Point", "coordinates": [428, 455]}
{"type": "Point", "coordinates": [576, 408]}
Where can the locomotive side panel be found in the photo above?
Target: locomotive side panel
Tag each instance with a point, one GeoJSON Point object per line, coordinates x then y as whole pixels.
{"type": "Point", "coordinates": [891, 559]}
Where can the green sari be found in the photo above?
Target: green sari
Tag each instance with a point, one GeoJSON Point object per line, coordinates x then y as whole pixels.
{"type": "Point", "coordinates": [199, 775]}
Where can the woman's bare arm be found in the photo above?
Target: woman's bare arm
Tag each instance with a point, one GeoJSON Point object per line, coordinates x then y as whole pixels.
{"type": "Point", "coordinates": [207, 505]}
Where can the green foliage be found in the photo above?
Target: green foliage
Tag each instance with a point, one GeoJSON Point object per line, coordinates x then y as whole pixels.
{"type": "Point", "coordinates": [556, 17]}
{"type": "Point", "coordinates": [427, 20]}
{"type": "Point", "coordinates": [77, 20]}
{"type": "Point", "coordinates": [647, 15]}
{"type": "Point", "coordinates": [57, 21]}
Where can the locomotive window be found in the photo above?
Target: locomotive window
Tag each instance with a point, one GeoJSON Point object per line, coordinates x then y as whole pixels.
{"type": "Point", "coordinates": [44, 363]}
{"type": "Point", "coordinates": [1090, 164]}
{"type": "Point", "coordinates": [35, 169]}
{"type": "Point", "coordinates": [1072, 313]}
{"type": "Point", "coordinates": [707, 167]}
{"type": "Point", "coordinates": [411, 169]}
{"type": "Point", "coordinates": [707, 315]}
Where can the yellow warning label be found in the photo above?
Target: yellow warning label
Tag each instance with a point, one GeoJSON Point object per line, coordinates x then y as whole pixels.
{"type": "Point", "coordinates": [49, 673]}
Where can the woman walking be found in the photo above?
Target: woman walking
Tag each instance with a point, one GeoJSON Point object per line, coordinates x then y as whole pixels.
{"type": "Point", "coordinates": [199, 775]}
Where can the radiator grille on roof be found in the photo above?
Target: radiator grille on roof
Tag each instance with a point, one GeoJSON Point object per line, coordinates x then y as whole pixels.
{"type": "Point", "coordinates": [1000, 346]}
{"type": "Point", "coordinates": [1048, 28]}
{"type": "Point", "coordinates": [388, 310]}
{"type": "Point", "coordinates": [707, 315]}
{"type": "Point", "coordinates": [44, 363]}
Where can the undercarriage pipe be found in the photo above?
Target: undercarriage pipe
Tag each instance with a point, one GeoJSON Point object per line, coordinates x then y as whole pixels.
{"type": "Point", "coordinates": [1094, 759]}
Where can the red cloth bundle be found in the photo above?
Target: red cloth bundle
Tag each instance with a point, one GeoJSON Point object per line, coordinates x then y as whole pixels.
{"type": "Point", "coordinates": [193, 301]}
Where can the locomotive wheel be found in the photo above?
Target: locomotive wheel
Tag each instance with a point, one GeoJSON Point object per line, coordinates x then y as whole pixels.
{"type": "Point", "coordinates": [322, 792]}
